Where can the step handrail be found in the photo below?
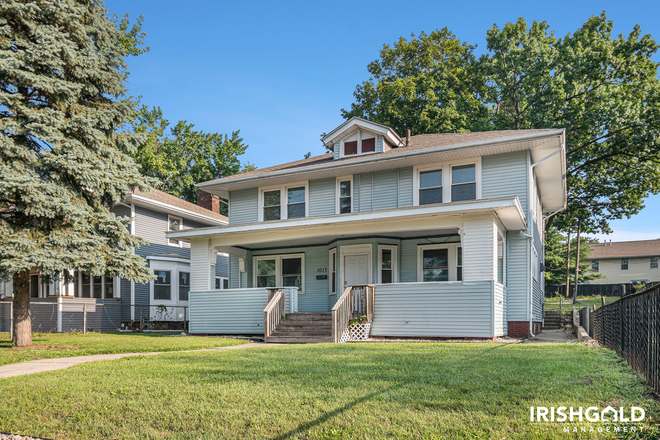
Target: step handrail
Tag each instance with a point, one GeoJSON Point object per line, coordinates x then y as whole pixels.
{"type": "Point", "coordinates": [356, 301]}
{"type": "Point", "coordinates": [274, 312]}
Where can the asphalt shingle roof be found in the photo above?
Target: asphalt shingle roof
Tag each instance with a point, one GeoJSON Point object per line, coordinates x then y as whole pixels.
{"type": "Point", "coordinates": [623, 249]}
{"type": "Point", "coordinates": [164, 197]}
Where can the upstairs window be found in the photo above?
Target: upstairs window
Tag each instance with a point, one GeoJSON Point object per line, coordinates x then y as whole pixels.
{"type": "Point", "coordinates": [174, 224]}
{"type": "Point", "coordinates": [595, 265]}
{"type": "Point", "coordinates": [350, 148]}
{"type": "Point", "coordinates": [272, 205]}
{"type": "Point", "coordinates": [430, 187]}
{"type": "Point", "coordinates": [624, 264]}
{"type": "Point", "coordinates": [358, 143]}
{"type": "Point", "coordinates": [344, 195]}
{"type": "Point", "coordinates": [369, 145]}
{"type": "Point", "coordinates": [283, 203]}
{"type": "Point", "coordinates": [654, 262]}
{"type": "Point", "coordinates": [296, 202]}
{"type": "Point", "coordinates": [463, 183]}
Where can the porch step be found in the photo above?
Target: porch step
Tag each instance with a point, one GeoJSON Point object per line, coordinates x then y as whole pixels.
{"type": "Point", "coordinates": [303, 328]}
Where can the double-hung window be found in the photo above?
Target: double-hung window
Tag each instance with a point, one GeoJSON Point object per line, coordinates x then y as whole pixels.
{"type": "Point", "coordinates": [266, 273]}
{"type": "Point", "coordinates": [435, 265]}
{"type": "Point", "coordinates": [387, 264]}
{"type": "Point", "coordinates": [95, 286]}
{"type": "Point", "coordinates": [184, 285]}
{"type": "Point", "coordinates": [344, 195]}
{"type": "Point", "coordinates": [292, 272]}
{"type": "Point", "coordinates": [163, 285]}
{"type": "Point", "coordinates": [459, 264]}
{"type": "Point", "coordinates": [430, 187]}
{"type": "Point", "coordinates": [283, 203]}
{"type": "Point", "coordinates": [654, 262]}
{"type": "Point", "coordinates": [463, 183]}
{"type": "Point", "coordinates": [595, 265]}
{"type": "Point", "coordinates": [624, 264]}
{"type": "Point", "coordinates": [272, 208]}
{"type": "Point", "coordinates": [439, 262]}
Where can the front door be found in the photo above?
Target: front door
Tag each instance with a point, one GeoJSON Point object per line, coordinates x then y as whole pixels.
{"type": "Point", "coordinates": [356, 270]}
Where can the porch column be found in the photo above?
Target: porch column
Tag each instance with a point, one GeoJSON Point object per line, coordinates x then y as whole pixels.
{"type": "Point", "coordinates": [479, 248]}
{"type": "Point", "coordinates": [200, 264]}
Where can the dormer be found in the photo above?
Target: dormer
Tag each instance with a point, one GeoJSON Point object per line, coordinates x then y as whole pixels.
{"type": "Point", "coordinates": [359, 137]}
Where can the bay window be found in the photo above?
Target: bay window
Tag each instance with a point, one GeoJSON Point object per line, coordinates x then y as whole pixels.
{"type": "Point", "coordinates": [387, 264]}
{"type": "Point", "coordinates": [163, 285]}
{"type": "Point", "coordinates": [333, 271]}
{"type": "Point", "coordinates": [184, 285]}
{"type": "Point", "coordinates": [439, 262]}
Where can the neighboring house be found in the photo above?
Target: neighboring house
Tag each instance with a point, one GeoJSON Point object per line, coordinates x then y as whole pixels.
{"type": "Point", "coordinates": [152, 214]}
{"type": "Point", "coordinates": [447, 227]}
{"type": "Point", "coordinates": [624, 262]}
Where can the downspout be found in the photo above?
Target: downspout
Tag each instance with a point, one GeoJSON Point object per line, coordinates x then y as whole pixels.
{"type": "Point", "coordinates": [530, 237]}
{"type": "Point", "coordinates": [132, 298]}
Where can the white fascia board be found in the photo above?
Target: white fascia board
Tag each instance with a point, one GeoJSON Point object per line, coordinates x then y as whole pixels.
{"type": "Point", "coordinates": [164, 207]}
{"type": "Point", "coordinates": [399, 155]}
{"type": "Point", "coordinates": [516, 220]}
{"type": "Point", "coordinates": [335, 134]}
{"type": "Point", "coordinates": [175, 259]}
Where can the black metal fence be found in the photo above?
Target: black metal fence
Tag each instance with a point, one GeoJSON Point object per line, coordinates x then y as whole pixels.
{"type": "Point", "coordinates": [631, 327]}
{"type": "Point", "coordinates": [591, 290]}
{"type": "Point", "coordinates": [70, 316]}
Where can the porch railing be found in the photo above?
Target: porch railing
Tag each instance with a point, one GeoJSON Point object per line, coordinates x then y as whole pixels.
{"type": "Point", "coordinates": [356, 301]}
{"type": "Point", "coordinates": [275, 311]}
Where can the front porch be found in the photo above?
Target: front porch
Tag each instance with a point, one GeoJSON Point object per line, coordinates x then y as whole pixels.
{"type": "Point", "coordinates": [433, 272]}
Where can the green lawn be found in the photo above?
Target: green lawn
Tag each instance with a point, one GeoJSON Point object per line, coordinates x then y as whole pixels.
{"type": "Point", "coordinates": [567, 305]}
{"type": "Point", "coordinates": [77, 344]}
{"type": "Point", "coordinates": [373, 390]}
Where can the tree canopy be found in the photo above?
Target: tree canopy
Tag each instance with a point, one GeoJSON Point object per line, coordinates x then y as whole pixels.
{"type": "Point", "coordinates": [555, 259]}
{"type": "Point", "coordinates": [62, 161]}
{"type": "Point", "coordinates": [185, 156]}
{"type": "Point", "coordinates": [603, 89]}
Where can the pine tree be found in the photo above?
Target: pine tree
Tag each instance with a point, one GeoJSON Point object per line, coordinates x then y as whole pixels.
{"type": "Point", "coordinates": [62, 159]}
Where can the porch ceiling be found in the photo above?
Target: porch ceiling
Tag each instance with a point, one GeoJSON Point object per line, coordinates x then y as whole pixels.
{"type": "Point", "coordinates": [402, 222]}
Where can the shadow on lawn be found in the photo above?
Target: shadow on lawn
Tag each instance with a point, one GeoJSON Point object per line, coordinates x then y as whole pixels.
{"type": "Point", "coordinates": [327, 416]}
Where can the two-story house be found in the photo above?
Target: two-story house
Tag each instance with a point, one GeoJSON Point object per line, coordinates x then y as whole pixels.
{"type": "Point", "coordinates": [445, 230]}
{"type": "Point", "coordinates": [634, 262]}
{"type": "Point", "coordinates": [113, 301]}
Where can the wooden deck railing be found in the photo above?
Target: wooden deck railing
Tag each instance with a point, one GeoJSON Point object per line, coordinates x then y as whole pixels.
{"type": "Point", "coordinates": [275, 311]}
{"type": "Point", "coordinates": [356, 301]}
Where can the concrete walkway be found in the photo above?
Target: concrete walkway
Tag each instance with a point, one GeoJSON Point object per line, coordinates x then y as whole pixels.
{"type": "Point", "coordinates": [41, 365]}
{"type": "Point", "coordinates": [552, 337]}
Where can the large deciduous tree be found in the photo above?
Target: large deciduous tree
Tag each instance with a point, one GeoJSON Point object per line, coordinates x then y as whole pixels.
{"type": "Point", "coordinates": [62, 98]}
{"type": "Point", "coordinates": [185, 156]}
{"type": "Point", "coordinates": [427, 84]}
{"type": "Point", "coordinates": [604, 90]}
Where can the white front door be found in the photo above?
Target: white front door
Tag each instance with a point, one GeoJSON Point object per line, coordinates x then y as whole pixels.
{"type": "Point", "coordinates": [356, 270]}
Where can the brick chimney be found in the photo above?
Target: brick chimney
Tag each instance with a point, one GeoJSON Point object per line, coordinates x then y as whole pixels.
{"type": "Point", "coordinates": [208, 201]}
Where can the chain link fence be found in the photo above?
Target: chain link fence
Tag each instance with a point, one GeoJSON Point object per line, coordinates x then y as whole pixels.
{"type": "Point", "coordinates": [69, 316]}
{"type": "Point", "coordinates": [631, 327]}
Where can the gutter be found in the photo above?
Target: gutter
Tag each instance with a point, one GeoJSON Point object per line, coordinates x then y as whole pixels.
{"type": "Point", "coordinates": [388, 158]}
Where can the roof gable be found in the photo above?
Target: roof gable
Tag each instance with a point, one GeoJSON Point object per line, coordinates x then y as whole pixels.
{"type": "Point", "coordinates": [356, 124]}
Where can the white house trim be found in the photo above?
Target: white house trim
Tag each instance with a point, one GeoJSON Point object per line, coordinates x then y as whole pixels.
{"type": "Point", "coordinates": [395, 258]}
{"type": "Point", "coordinates": [446, 168]}
{"type": "Point", "coordinates": [143, 201]}
{"type": "Point", "coordinates": [283, 198]}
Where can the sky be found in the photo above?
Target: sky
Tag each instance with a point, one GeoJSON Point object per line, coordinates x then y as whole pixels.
{"type": "Point", "coordinates": [281, 71]}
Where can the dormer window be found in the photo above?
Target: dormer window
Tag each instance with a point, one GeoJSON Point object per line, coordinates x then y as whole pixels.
{"type": "Point", "coordinates": [350, 148]}
{"type": "Point", "coordinates": [360, 142]}
{"type": "Point", "coordinates": [358, 136]}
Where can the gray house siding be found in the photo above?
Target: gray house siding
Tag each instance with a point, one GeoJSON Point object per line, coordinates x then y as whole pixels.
{"type": "Point", "coordinates": [366, 191]}
{"type": "Point", "coordinates": [385, 193]}
{"type": "Point", "coordinates": [222, 266]}
{"type": "Point", "coordinates": [322, 197]}
{"type": "Point", "coordinates": [151, 225]}
{"type": "Point", "coordinates": [405, 187]}
{"type": "Point", "coordinates": [244, 206]}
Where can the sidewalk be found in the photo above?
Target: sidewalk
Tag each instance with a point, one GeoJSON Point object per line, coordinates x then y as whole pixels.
{"type": "Point", "coordinates": [552, 337]}
{"type": "Point", "coordinates": [41, 365]}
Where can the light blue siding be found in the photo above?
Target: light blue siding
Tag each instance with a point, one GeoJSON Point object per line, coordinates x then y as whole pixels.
{"type": "Point", "coordinates": [365, 191]}
{"type": "Point", "coordinates": [336, 150]}
{"type": "Point", "coordinates": [322, 194]}
{"type": "Point", "coordinates": [385, 189]}
{"type": "Point", "coordinates": [379, 144]}
{"type": "Point", "coordinates": [356, 193]}
{"type": "Point", "coordinates": [505, 175]}
{"type": "Point", "coordinates": [434, 310]}
{"type": "Point", "coordinates": [228, 311]}
{"type": "Point", "coordinates": [222, 266]}
{"type": "Point", "coordinates": [151, 225]}
{"type": "Point", "coordinates": [244, 206]}
{"type": "Point", "coordinates": [405, 187]}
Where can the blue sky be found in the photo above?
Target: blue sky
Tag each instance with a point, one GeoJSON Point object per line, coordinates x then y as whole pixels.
{"type": "Point", "coordinates": [282, 71]}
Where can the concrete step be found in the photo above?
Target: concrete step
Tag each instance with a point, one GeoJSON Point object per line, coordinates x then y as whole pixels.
{"type": "Point", "coordinates": [308, 317]}
{"type": "Point", "coordinates": [298, 339]}
{"type": "Point", "coordinates": [305, 333]}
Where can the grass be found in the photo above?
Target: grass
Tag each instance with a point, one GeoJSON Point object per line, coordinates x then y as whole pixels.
{"type": "Point", "coordinates": [567, 305]}
{"type": "Point", "coordinates": [374, 390]}
{"type": "Point", "coordinates": [77, 344]}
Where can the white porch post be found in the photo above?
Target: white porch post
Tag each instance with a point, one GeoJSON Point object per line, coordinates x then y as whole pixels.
{"type": "Point", "coordinates": [200, 264]}
{"type": "Point", "coordinates": [479, 248]}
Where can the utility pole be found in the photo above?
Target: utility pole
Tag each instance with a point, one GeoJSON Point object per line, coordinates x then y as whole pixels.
{"type": "Point", "coordinates": [568, 264]}
{"type": "Point", "coordinates": [577, 262]}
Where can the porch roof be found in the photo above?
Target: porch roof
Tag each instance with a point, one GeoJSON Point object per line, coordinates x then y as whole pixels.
{"type": "Point", "coordinates": [393, 222]}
